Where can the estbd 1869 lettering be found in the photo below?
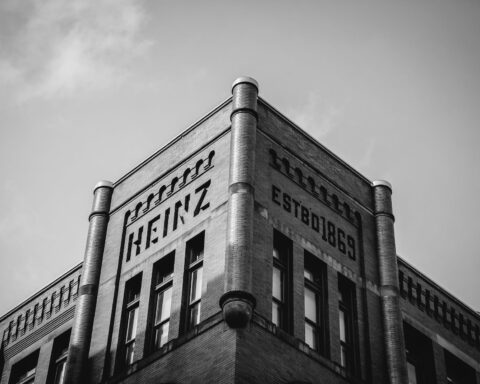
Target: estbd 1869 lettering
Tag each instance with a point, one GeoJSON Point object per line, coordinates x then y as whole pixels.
{"type": "Point", "coordinates": [171, 218]}
{"type": "Point", "coordinates": [332, 234]}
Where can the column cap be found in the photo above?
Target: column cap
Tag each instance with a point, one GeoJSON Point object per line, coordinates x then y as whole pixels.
{"type": "Point", "coordinates": [103, 184]}
{"type": "Point", "coordinates": [245, 79]}
{"type": "Point", "coordinates": [384, 183]}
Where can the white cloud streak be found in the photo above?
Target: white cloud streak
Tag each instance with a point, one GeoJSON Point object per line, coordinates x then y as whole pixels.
{"type": "Point", "coordinates": [67, 46]}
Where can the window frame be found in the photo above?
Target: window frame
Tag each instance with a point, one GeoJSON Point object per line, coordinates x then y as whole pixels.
{"type": "Point", "coordinates": [348, 307]}
{"type": "Point", "coordinates": [159, 287]}
{"type": "Point", "coordinates": [192, 267]}
{"type": "Point", "coordinates": [130, 305]}
{"type": "Point", "coordinates": [25, 370]}
{"type": "Point", "coordinates": [58, 357]}
{"type": "Point", "coordinates": [283, 263]}
{"type": "Point", "coordinates": [319, 288]}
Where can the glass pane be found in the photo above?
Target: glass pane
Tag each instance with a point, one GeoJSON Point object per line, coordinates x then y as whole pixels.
{"type": "Point", "coordinates": [164, 301]}
{"type": "Point", "coordinates": [343, 333]}
{"type": "Point", "coordinates": [196, 284]}
{"type": "Point", "coordinates": [130, 350]}
{"type": "Point", "coordinates": [163, 275]}
{"type": "Point", "coordinates": [161, 334]}
{"type": "Point", "coordinates": [310, 305]}
{"type": "Point", "coordinates": [276, 314]}
{"type": "Point", "coordinates": [276, 254]}
{"type": "Point", "coordinates": [60, 372]}
{"type": "Point", "coordinates": [310, 336]}
{"type": "Point", "coordinates": [194, 315]}
{"type": "Point", "coordinates": [196, 252]}
{"type": "Point", "coordinates": [27, 377]}
{"type": "Point", "coordinates": [308, 275]}
{"type": "Point", "coordinates": [133, 289]}
{"type": "Point", "coordinates": [341, 295]}
{"type": "Point", "coordinates": [277, 284]}
{"type": "Point", "coordinates": [412, 373]}
{"type": "Point", "coordinates": [343, 356]}
{"type": "Point", "coordinates": [132, 324]}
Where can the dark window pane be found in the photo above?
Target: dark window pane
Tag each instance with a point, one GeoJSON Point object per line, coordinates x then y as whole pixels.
{"type": "Point", "coordinates": [24, 371]}
{"type": "Point", "coordinates": [164, 269]}
{"type": "Point", "coordinates": [195, 248]}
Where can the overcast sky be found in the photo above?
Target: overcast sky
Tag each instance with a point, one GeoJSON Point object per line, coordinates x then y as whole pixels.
{"type": "Point", "coordinates": [90, 88]}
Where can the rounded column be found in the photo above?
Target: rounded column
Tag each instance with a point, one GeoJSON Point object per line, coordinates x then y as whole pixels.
{"type": "Point", "coordinates": [238, 302]}
{"type": "Point", "coordinates": [87, 296]}
{"type": "Point", "coordinates": [389, 287]}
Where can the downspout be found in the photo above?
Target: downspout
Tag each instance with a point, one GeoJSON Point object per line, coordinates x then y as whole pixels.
{"type": "Point", "coordinates": [389, 287]}
{"type": "Point", "coordinates": [92, 264]}
{"type": "Point", "coordinates": [238, 302]}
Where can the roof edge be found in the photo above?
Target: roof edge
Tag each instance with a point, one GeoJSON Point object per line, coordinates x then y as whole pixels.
{"type": "Point", "coordinates": [440, 288]}
{"type": "Point", "coordinates": [171, 142]}
{"type": "Point", "coordinates": [41, 291]}
{"type": "Point", "coordinates": [315, 141]}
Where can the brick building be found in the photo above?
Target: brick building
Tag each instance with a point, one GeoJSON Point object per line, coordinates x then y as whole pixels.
{"type": "Point", "coordinates": [242, 252]}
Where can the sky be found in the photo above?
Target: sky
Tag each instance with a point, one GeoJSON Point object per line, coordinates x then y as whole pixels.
{"type": "Point", "coordinates": [90, 88]}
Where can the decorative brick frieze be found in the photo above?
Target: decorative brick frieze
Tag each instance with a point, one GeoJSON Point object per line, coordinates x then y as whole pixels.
{"type": "Point", "coordinates": [42, 309]}
{"type": "Point", "coordinates": [312, 185]}
{"type": "Point", "coordinates": [162, 193]}
{"type": "Point", "coordinates": [459, 320]}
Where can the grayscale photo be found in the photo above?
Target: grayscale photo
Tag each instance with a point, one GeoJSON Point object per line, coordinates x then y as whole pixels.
{"type": "Point", "coordinates": [256, 192]}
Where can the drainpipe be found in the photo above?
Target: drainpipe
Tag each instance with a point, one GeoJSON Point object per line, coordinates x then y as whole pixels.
{"type": "Point", "coordinates": [389, 287]}
{"type": "Point", "coordinates": [238, 302]}
{"type": "Point", "coordinates": [87, 297]}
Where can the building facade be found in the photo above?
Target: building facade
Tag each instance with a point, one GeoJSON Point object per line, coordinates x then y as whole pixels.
{"type": "Point", "coordinates": [242, 252]}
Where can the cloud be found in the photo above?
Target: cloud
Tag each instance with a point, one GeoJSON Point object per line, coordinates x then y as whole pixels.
{"type": "Point", "coordinates": [316, 116]}
{"type": "Point", "coordinates": [59, 47]}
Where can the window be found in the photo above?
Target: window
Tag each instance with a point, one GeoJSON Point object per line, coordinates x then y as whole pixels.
{"type": "Point", "coordinates": [130, 319]}
{"type": "Point", "coordinates": [315, 304]}
{"type": "Point", "coordinates": [346, 318]}
{"type": "Point", "coordinates": [23, 372]}
{"type": "Point", "coordinates": [162, 300]}
{"type": "Point", "coordinates": [193, 280]}
{"type": "Point", "coordinates": [458, 372]}
{"type": "Point", "coordinates": [281, 282]}
{"type": "Point", "coordinates": [58, 362]}
{"type": "Point", "coordinates": [419, 350]}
